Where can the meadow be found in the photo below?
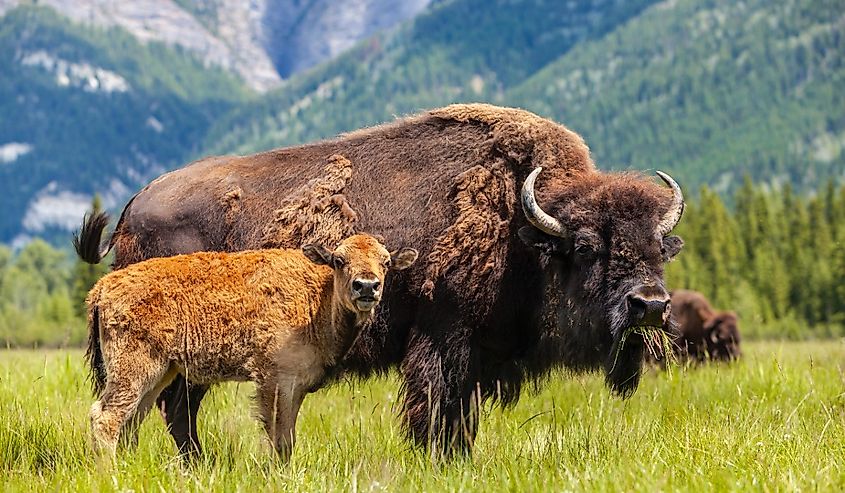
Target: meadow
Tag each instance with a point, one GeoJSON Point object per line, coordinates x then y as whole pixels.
{"type": "Point", "coordinates": [775, 421]}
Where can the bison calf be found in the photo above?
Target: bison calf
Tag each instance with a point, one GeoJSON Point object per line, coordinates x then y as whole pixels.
{"type": "Point", "coordinates": [703, 333]}
{"type": "Point", "coordinates": [280, 318]}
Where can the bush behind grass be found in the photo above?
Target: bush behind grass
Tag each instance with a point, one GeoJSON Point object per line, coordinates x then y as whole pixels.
{"type": "Point", "coordinates": [774, 421]}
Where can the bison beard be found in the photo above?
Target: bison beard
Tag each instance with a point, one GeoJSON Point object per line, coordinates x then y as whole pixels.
{"type": "Point", "coordinates": [499, 297]}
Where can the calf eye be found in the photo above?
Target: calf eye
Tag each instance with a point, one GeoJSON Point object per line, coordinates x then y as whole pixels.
{"type": "Point", "coordinates": [338, 262]}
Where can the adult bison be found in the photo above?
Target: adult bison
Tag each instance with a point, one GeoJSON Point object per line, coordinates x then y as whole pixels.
{"type": "Point", "coordinates": [702, 332]}
{"type": "Point", "coordinates": [509, 285]}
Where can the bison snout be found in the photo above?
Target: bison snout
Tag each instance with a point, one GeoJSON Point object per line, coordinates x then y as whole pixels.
{"type": "Point", "coordinates": [365, 287]}
{"type": "Point", "coordinates": [366, 293]}
{"type": "Point", "coordinates": [648, 309]}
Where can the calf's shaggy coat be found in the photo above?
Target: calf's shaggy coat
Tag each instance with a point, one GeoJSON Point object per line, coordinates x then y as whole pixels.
{"type": "Point", "coordinates": [281, 318]}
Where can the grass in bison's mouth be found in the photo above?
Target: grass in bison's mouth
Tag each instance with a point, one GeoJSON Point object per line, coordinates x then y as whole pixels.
{"type": "Point", "coordinates": [657, 343]}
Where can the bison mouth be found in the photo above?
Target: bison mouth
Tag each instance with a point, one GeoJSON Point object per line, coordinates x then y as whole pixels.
{"type": "Point", "coordinates": [365, 303]}
{"type": "Point", "coordinates": [655, 339]}
{"type": "Point", "coordinates": [626, 357]}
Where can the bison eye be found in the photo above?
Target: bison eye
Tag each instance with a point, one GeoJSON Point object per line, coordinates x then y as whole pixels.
{"type": "Point", "coordinates": [338, 262]}
{"type": "Point", "coordinates": [584, 250]}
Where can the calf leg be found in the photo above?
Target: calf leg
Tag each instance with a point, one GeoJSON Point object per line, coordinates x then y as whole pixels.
{"type": "Point", "coordinates": [129, 378]}
{"type": "Point", "coordinates": [179, 403]}
{"type": "Point", "coordinates": [129, 435]}
{"type": "Point", "coordinates": [279, 402]}
{"type": "Point", "coordinates": [441, 402]}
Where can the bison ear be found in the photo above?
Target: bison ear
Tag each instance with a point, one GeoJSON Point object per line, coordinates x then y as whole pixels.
{"type": "Point", "coordinates": [672, 246]}
{"type": "Point", "coordinates": [317, 254]}
{"type": "Point", "coordinates": [404, 258]}
{"type": "Point", "coordinates": [547, 244]}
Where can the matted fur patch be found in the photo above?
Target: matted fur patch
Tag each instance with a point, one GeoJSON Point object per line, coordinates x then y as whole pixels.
{"type": "Point", "coordinates": [317, 212]}
{"type": "Point", "coordinates": [471, 253]}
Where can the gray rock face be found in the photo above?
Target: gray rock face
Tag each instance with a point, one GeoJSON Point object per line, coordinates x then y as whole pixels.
{"type": "Point", "coordinates": [263, 41]}
{"type": "Point", "coordinates": [302, 33]}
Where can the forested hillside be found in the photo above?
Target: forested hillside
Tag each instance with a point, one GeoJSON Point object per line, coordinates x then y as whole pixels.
{"type": "Point", "coordinates": [460, 50]}
{"type": "Point", "coordinates": [86, 110]}
{"type": "Point", "coordinates": [709, 90]}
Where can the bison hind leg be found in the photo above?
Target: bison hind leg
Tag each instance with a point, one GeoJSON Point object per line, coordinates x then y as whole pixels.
{"type": "Point", "coordinates": [129, 435]}
{"type": "Point", "coordinates": [130, 378]}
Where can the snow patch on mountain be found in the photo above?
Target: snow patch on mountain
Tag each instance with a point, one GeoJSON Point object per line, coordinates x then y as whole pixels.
{"type": "Point", "coordinates": [82, 75]}
{"type": "Point", "coordinates": [55, 207]}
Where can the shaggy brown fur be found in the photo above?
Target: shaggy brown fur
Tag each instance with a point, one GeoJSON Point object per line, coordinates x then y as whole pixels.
{"type": "Point", "coordinates": [279, 318]}
{"type": "Point", "coordinates": [489, 308]}
{"type": "Point", "coordinates": [317, 212]}
{"type": "Point", "coordinates": [483, 199]}
{"type": "Point", "coordinates": [703, 333]}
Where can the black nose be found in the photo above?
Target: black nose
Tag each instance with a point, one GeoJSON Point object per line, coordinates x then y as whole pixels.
{"type": "Point", "coordinates": [366, 287]}
{"type": "Point", "coordinates": [648, 308]}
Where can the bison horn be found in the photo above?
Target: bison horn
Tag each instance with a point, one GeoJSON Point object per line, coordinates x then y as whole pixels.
{"type": "Point", "coordinates": [535, 215]}
{"type": "Point", "coordinates": [670, 219]}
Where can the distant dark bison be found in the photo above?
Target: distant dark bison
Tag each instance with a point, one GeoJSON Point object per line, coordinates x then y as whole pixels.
{"type": "Point", "coordinates": [513, 281]}
{"type": "Point", "coordinates": [703, 333]}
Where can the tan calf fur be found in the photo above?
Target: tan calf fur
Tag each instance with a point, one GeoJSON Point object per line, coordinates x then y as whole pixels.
{"type": "Point", "coordinates": [280, 318]}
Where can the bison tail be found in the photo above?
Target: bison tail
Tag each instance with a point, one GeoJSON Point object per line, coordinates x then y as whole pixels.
{"type": "Point", "coordinates": [87, 242]}
{"type": "Point", "coordinates": [94, 353]}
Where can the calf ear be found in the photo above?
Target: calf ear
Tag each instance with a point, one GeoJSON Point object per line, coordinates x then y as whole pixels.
{"type": "Point", "coordinates": [317, 254]}
{"type": "Point", "coordinates": [547, 244]}
{"type": "Point", "coordinates": [403, 258]}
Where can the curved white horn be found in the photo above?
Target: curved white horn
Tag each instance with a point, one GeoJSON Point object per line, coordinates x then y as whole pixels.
{"type": "Point", "coordinates": [535, 215]}
{"type": "Point", "coordinates": [676, 210]}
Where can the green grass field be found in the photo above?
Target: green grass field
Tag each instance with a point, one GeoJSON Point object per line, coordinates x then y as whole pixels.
{"type": "Point", "coordinates": [774, 421]}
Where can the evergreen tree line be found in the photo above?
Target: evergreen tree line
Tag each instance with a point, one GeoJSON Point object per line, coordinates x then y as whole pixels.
{"type": "Point", "coordinates": [776, 258]}
{"type": "Point", "coordinates": [42, 294]}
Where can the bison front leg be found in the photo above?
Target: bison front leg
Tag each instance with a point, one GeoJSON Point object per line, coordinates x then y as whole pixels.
{"type": "Point", "coordinates": [279, 401]}
{"type": "Point", "coordinates": [441, 401]}
{"type": "Point", "coordinates": [179, 403]}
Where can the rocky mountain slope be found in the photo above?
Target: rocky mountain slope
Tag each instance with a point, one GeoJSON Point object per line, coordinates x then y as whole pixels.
{"type": "Point", "coordinates": [85, 110]}
{"type": "Point", "coordinates": [462, 50]}
{"type": "Point", "coordinates": [263, 41]}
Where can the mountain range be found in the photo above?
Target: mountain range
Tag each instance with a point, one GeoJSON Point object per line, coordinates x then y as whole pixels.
{"type": "Point", "coordinates": [104, 95]}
